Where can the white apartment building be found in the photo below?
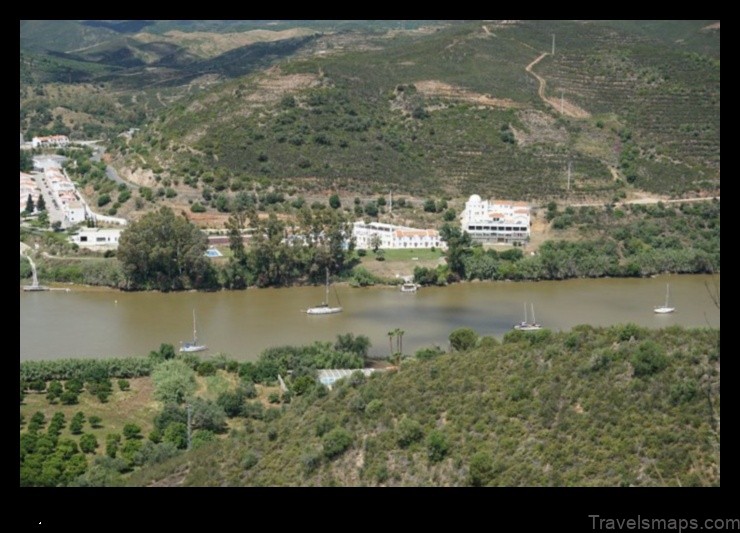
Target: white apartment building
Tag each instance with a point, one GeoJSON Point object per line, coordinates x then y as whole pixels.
{"type": "Point", "coordinates": [395, 237]}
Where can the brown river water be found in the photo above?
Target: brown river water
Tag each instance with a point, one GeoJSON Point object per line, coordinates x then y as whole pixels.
{"type": "Point", "coordinates": [107, 323]}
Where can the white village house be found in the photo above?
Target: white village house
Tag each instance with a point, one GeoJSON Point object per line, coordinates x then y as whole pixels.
{"type": "Point", "coordinates": [97, 238]}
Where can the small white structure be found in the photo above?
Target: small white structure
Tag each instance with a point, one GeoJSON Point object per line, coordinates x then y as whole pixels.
{"type": "Point", "coordinates": [51, 140]}
{"type": "Point", "coordinates": [328, 376]}
{"type": "Point", "coordinates": [395, 237]}
{"type": "Point", "coordinates": [97, 238]}
{"type": "Point", "coordinates": [487, 221]}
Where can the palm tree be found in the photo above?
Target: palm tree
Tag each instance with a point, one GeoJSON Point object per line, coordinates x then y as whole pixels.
{"type": "Point", "coordinates": [391, 334]}
{"type": "Point", "coordinates": [399, 337]}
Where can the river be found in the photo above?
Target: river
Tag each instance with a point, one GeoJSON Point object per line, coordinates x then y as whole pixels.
{"type": "Point", "coordinates": [107, 323]}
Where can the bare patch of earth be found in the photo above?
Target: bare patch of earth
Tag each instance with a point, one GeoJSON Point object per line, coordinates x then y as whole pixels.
{"type": "Point", "coordinates": [438, 89]}
{"type": "Point", "coordinates": [540, 128]}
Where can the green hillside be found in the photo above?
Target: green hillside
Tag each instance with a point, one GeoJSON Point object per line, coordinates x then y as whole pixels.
{"type": "Point", "coordinates": [453, 111]}
{"type": "Point", "coordinates": [621, 406]}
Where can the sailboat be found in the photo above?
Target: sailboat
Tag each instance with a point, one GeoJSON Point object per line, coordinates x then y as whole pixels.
{"type": "Point", "coordinates": [664, 309]}
{"type": "Point", "coordinates": [528, 326]}
{"type": "Point", "coordinates": [324, 308]}
{"type": "Point", "coordinates": [193, 346]}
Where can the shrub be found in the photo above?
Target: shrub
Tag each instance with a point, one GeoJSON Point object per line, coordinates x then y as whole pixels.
{"type": "Point", "coordinates": [336, 442]}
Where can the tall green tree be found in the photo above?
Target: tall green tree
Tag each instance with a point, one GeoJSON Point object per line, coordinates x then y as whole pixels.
{"type": "Point", "coordinates": [29, 204]}
{"type": "Point", "coordinates": [41, 203]}
{"type": "Point", "coordinates": [458, 247]}
{"type": "Point", "coordinates": [166, 252]}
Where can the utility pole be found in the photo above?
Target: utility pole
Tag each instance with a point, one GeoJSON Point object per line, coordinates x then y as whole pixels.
{"type": "Point", "coordinates": [190, 427]}
{"type": "Point", "coordinates": [390, 204]}
{"type": "Point", "coordinates": [553, 44]}
{"type": "Point", "coordinates": [568, 176]}
{"type": "Point", "coordinates": [561, 101]}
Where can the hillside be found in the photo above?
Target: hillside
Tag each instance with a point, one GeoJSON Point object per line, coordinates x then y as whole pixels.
{"type": "Point", "coordinates": [453, 111]}
{"type": "Point", "coordinates": [620, 406]}
{"type": "Point", "coordinates": [425, 108]}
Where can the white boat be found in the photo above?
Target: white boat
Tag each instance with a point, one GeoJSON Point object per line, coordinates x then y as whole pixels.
{"type": "Point", "coordinates": [408, 285]}
{"type": "Point", "coordinates": [324, 308]}
{"type": "Point", "coordinates": [528, 326]}
{"type": "Point", "coordinates": [664, 309]}
{"type": "Point", "coordinates": [186, 347]}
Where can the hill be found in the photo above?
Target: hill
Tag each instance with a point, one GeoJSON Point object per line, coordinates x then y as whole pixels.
{"type": "Point", "coordinates": [620, 406]}
{"type": "Point", "coordinates": [454, 111]}
{"type": "Point", "coordinates": [444, 108]}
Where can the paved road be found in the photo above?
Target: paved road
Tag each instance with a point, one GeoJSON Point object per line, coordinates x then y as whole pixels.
{"type": "Point", "coordinates": [109, 170]}
{"type": "Point", "coordinates": [54, 211]}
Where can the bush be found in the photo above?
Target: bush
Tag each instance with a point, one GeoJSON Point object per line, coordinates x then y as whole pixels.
{"type": "Point", "coordinates": [437, 446]}
{"type": "Point", "coordinates": [463, 339]}
{"type": "Point", "coordinates": [336, 442]}
{"type": "Point", "coordinates": [408, 432]}
{"type": "Point", "coordinates": [649, 359]}
{"type": "Point", "coordinates": [481, 470]}
{"type": "Point", "coordinates": [88, 443]}
{"type": "Point", "coordinates": [123, 384]}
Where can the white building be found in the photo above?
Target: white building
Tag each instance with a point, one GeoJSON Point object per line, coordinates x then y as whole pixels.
{"type": "Point", "coordinates": [395, 237]}
{"type": "Point", "coordinates": [486, 221]}
{"type": "Point", "coordinates": [28, 186]}
{"type": "Point", "coordinates": [51, 140]}
{"type": "Point", "coordinates": [97, 238]}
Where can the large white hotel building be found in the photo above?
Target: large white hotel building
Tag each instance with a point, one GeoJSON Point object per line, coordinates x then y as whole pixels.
{"type": "Point", "coordinates": [490, 222]}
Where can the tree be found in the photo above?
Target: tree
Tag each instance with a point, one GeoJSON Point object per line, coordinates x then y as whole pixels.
{"type": "Point", "coordinates": [94, 421]}
{"type": "Point", "coordinates": [177, 434]}
{"type": "Point", "coordinates": [88, 443]}
{"type": "Point", "coordinates": [371, 209]}
{"type": "Point", "coordinates": [334, 201]}
{"type": "Point", "coordinates": [29, 204]}
{"type": "Point", "coordinates": [174, 381]}
{"type": "Point", "coordinates": [207, 415]}
{"type": "Point", "coordinates": [463, 339]}
{"type": "Point", "coordinates": [41, 203]}
{"type": "Point", "coordinates": [54, 391]}
{"type": "Point", "coordinates": [166, 252]}
{"type": "Point", "coordinates": [131, 431]}
{"type": "Point", "coordinates": [430, 206]}
{"type": "Point", "coordinates": [458, 247]}
{"type": "Point", "coordinates": [123, 384]}
{"type": "Point", "coordinates": [78, 421]}
{"type": "Point", "coordinates": [375, 242]}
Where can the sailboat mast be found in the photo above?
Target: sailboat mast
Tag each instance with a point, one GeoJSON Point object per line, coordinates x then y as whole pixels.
{"type": "Point", "coordinates": [195, 335]}
{"type": "Point", "coordinates": [327, 287]}
{"type": "Point", "coordinates": [534, 320]}
{"type": "Point", "coordinates": [667, 288]}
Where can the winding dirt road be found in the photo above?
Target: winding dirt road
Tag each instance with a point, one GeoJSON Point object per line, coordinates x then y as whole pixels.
{"type": "Point", "coordinates": [560, 105]}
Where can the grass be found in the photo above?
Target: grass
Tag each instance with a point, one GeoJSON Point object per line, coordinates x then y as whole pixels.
{"type": "Point", "coordinates": [422, 254]}
{"type": "Point", "coordinates": [135, 406]}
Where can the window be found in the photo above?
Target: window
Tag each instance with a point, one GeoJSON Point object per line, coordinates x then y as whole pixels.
{"type": "Point", "coordinates": [83, 238]}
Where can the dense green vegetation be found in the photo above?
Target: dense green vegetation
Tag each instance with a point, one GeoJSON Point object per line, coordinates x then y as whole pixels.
{"type": "Point", "coordinates": [591, 406]}
{"type": "Point", "coordinates": [408, 111]}
{"type": "Point", "coordinates": [629, 240]}
{"type": "Point", "coordinates": [51, 459]}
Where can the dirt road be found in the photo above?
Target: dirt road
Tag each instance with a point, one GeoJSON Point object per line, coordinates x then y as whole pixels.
{"type": "Point", "coordinates": [561, 105]}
